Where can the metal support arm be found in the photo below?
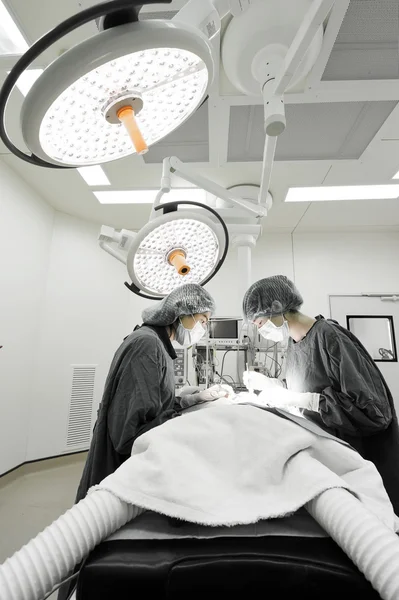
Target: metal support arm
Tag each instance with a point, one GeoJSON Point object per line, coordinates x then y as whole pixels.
{"type": "Point", "coordinates": [173, 165]}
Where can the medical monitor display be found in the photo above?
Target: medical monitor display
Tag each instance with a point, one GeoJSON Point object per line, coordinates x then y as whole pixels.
{"type": "Point", "coordinates": [226, 329]}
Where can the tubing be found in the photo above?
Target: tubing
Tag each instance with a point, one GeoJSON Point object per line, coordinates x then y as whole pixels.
{"type": "Point", "coordinates": [370, 544]}
{"type": "Point", "coordinates": [48, 558]}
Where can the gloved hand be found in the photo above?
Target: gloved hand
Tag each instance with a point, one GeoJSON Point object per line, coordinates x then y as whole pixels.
{"type": "Point", "coordinates": [256, 381]}
{"type": "Point", "coordinates": [228, 389]}
{"type": "Point", "coordinates": [209, 395]}
{"type": "Point", "coordinates": [281, 397]}
{"type": "Point", "coordinates": [244, 397]}
{"type": "Point", "coordinates": [187, 390]}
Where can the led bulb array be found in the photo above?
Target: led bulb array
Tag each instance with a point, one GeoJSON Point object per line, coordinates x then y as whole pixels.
{"type": "Point", "coordinates": [170, 82]}
{"type": "Point", "coordinates": [196, 239]}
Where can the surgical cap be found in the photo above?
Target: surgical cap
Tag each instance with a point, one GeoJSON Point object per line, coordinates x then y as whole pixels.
{"type": "Point", "coordinates": [188, 299]}
{"type": "Point", "coordinates": [271, 297]}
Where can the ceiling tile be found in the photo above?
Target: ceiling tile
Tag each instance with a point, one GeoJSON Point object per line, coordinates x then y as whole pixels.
{"type": "Point", "coordinates": [367, 46]}
{"type": "Point", "coordinates": [314, 131]}
{"type": "Point", "coordinates": [189, 142]}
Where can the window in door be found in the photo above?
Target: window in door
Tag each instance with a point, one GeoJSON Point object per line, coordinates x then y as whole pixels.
{"type": "Point", "coordinates": [377, 334]}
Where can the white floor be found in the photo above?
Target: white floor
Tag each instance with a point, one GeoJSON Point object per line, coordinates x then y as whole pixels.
{"type": "Point", "coordinates": [33, 497]}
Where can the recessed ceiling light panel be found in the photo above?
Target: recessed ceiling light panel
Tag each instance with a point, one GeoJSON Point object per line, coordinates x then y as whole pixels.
{"type": "Point", "coordinates": [342, 192]}
{"type": "Point", "coordinates": [93, 175]}
{"type": "Point", "coordinates": [11, 39]}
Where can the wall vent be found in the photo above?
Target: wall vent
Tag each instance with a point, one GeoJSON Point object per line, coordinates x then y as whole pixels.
{"type": "Point", "coordinates": [81, 406]}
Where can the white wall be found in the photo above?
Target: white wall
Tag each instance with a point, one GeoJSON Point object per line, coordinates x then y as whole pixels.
{"type": "Point", "coordinates": [320, 264]}
{"type": "Point", "coordinates": [25, 240]}
{"type": "Point", "coordinates": [84, 321]}
{"type": "Point", "coordinates": [344, 263]}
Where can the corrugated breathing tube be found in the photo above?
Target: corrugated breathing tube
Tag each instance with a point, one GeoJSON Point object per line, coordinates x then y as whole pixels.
{"type": "Point", "coordinates": [369, 543]}
{"type": "Point", "coordinates": [46, 560]}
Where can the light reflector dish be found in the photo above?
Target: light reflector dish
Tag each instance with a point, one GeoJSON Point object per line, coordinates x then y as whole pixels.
{"type": "Point", "coordinates": [166, 66]}
{"type": "Point", "coordinates": [148, 263]}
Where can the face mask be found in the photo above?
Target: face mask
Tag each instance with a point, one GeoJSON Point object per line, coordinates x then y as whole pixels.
{"type": "Point", "coordinates": [270, 331]}
{"type": "Point", "coordinates": [188, 337]}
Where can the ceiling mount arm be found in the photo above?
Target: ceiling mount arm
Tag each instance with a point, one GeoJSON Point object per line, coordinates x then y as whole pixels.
{"type": "Point", "coordinates": [175, 166]}
{"type": "Point", "coordinates": [277, 80]}
{"type": "Point", "coordinates": [106, 246]}
{"type": "Point", "coordinates": [313, 20]}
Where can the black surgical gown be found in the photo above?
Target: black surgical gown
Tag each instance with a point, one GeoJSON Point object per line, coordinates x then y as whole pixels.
{"type": "Point", "coordinates": [139, 394]}
{"type": "Point", "coordinates": [355, 402]}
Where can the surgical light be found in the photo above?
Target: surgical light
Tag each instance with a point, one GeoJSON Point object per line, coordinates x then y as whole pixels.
{"type": "Point", "coordinates": [342, 192]}
{"type": "Point", "coordinates": [114, 94]}
{"type": "Point", "coordinates": [176, 248]}
{"type": "Point", "coordinates": [184, 241]}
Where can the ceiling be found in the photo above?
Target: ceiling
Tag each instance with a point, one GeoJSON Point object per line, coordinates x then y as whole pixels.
{"type": "Point", "coordinates": [342, 129]}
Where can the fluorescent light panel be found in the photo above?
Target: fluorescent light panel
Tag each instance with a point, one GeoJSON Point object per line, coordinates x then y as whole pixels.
{"type": "Point", "coordinates": [344, 192]}
{"type": "Point", "coordinates": [396, 176]}
{"type": "Point", "coordinates": [11, 39]}
{"type": "Point", "coordinates": [148, 196]}
{"type": "Point", "coordinates": [94, 175]}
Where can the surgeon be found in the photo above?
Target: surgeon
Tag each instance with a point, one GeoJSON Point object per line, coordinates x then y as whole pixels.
{"type": "Point", "coordinates": [329, 374]}
{"type": "Point", "coordinates": [140, 388]}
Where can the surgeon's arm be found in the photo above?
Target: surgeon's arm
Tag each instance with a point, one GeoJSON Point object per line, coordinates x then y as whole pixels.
{"type": "Point", "coordinates": [357, 401]}
{"type": "Point", "coordinates": [137, 402]}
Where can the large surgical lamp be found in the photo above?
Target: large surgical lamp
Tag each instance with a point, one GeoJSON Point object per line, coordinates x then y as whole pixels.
{"type": "Point", "coordinates": [114, 94]}
{"type": "Point", "coordinates": [184, 241]}
{"type": "Point", "coordinates": [176, 247]}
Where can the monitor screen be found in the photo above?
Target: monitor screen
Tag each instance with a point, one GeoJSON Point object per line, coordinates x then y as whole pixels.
{"type": "Point", "coordinates": [223, 329]}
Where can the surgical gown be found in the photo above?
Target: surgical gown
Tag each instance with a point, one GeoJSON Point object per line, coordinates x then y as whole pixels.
{"type": "Point", "coordinates": [355, 402]}
{"type": "Point", "coordinates": [139, 394]}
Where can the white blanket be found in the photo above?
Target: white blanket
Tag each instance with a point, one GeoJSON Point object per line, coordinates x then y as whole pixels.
{"type": "Point", "coordinates": [237, 464]}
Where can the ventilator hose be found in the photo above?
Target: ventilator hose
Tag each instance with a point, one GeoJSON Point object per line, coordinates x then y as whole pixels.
{"type": "Point", "coordinates": [48, 558]}
{"type": "Point", "coordinates": [370, 544]}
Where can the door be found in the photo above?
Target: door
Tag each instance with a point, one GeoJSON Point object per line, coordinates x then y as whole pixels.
{"type": "Point", "coordinates": [374, 332]}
